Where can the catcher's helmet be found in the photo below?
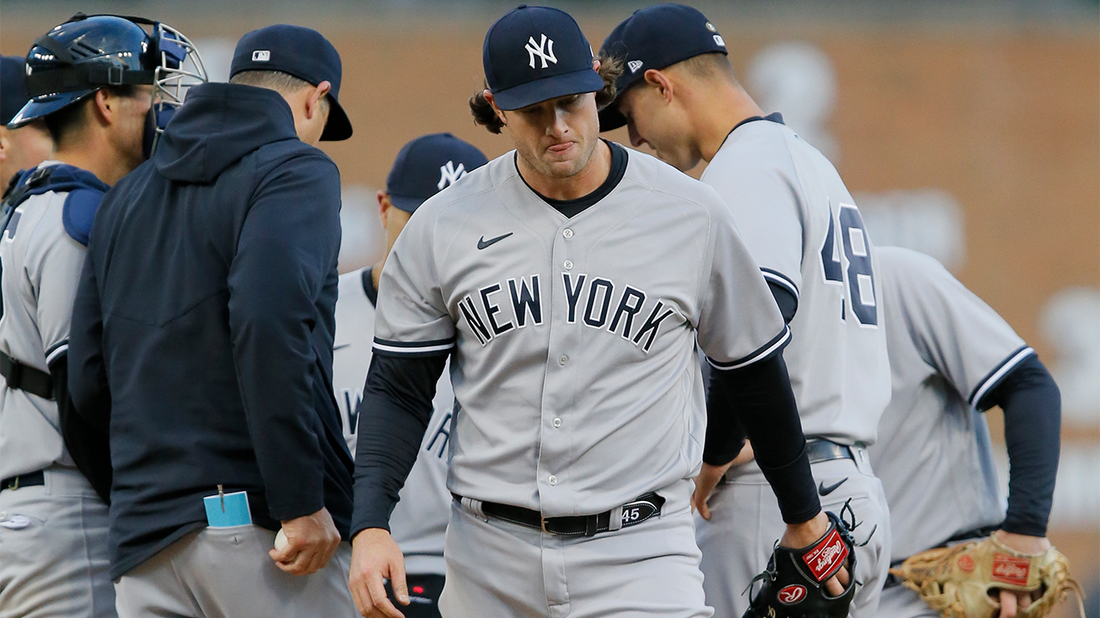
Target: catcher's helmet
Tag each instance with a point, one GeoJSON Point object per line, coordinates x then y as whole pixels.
{"type": "Point", "coordinates": [90, 52]}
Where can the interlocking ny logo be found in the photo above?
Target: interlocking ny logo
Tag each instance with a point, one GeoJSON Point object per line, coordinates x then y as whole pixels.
{"type": "Point", "coordinates": [543, 49]}
{"type": "Point", "coordinates": [448, 174]}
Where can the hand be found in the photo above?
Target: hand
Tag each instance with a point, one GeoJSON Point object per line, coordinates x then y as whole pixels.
{"type": "Point", "coordinates": [1012, 600]}
{"type": "Point", "coordinates": [802, 535]}
{"type": "Point", "coordinates": [375, 556]}
{"type": "Point", "coordinates": [311, 542]}
{"type": "Point", "coordinates": [709, 478]}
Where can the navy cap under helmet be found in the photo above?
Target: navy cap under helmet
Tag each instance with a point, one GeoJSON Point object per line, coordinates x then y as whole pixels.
{"type": "Point", "coordinates": [427, 165]}
{"type": "Point", "coordinates": [80, 56]}
{"type": "Point", "coordinates": [654, 38]}
{"type": "Point", "coordinates": [303, 53]}
{"type": "Point", "coordinates": [535, 54]}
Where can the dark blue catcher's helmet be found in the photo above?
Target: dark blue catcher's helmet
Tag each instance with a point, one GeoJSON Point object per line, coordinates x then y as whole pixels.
{"type": "Point", "coordinates": [89, 52]}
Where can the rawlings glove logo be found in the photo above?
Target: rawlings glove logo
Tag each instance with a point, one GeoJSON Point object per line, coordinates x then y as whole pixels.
{"type": "Point", "coordinates": [827, 557]}
{"type": "Point", "coordinates": [791, 595]}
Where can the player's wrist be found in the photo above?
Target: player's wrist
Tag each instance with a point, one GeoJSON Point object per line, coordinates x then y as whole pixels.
{"type": "Point", "coordinates": [806, 533]}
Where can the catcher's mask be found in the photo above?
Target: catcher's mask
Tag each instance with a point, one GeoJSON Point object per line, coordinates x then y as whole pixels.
{"type": "Point", "coordinates": [89, 52]}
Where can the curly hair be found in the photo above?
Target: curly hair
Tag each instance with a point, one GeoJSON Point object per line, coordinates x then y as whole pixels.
{"type": "Point", "coordinates": [610, 70]}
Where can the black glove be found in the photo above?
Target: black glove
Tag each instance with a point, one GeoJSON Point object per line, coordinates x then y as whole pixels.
{"type": "Point", "coordinates": [794, 582]}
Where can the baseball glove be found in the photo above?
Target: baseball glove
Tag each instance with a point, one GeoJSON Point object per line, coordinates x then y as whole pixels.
{"type": "Point", "coordinates": [794, 582]}
{"type": "Point", "coordinates": [960, 581]}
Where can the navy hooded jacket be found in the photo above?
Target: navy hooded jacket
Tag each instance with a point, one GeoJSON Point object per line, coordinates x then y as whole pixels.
{"type": "Point", "coordinates": [203, 325]}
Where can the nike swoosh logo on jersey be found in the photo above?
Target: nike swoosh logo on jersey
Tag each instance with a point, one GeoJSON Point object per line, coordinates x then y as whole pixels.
{"type": "Point", "coordinates": [485, 244]}
{"type": "Point", "coordinates": [824, 491]}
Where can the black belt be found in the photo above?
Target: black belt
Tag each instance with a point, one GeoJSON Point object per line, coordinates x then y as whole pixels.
{"type": "Point", "coordinates": [818, 450]}
{"type": "Point", "coordinates": [23, 480]}
{"type": "Point", "coordinates": [25, 377]}
{"type": "Point", "coordinates": [633, 513]}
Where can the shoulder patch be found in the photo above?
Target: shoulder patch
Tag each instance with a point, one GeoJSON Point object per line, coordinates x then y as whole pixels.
{"type": "Point", "coordinates": [79, 213]}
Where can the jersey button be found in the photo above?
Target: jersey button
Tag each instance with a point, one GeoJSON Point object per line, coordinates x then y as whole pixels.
{"type": "Point", "coordinates": [553, 480]}
{"type": "Point", "coordinates": [557, 423]}
{"type": "Point", "coordinates": [568, 265]}
{"type": "Point", "coordinates": [568, 233]}
{"type": "Point", "coordinates": [562, 360]}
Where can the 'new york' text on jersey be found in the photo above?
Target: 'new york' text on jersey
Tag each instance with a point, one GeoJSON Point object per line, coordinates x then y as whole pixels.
{"type": "Point", "coordinates": [574, 338]}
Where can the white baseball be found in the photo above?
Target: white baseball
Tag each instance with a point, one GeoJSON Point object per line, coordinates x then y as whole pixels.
{"type": "Point", "coordinates": [280, 540]}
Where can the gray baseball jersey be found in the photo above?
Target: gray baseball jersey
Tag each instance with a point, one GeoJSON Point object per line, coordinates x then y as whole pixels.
{"type": "Point", "coordinates": [947, 348]}
{"type": "Point", "coordinates": [804, 230]}
{"type": "Point", "coordinates": [419, 521]}
{"type": "Point", "coordinates": [41, 268]}
{"type": "Point", "coordinates": [574, 338]}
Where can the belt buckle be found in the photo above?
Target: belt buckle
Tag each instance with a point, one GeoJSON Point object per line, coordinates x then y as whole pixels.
{"type": "Point", "coordinates": [542, 522]}
{"type": "Point", "coordinates": [14, 484]}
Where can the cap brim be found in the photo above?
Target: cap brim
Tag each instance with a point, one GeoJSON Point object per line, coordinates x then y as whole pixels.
{"type": "Point", "coordinates": [406, 203]}
{"type": "Point", "coordinates": [34, 110]}
{"type": "Point", "coordinates": [548, 88]}
{"type": "Point", "coordinates": [338, 127]}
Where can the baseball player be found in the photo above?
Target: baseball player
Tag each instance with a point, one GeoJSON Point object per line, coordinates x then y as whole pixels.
{"type": "Point", "coordinates": [423, 167]}
{"type": "Point", "coordinates": [802, 227]}
{"type": "Point", "coordinates": [554, 278]}
{"type": "Point", "coordinates": [91, 83]}
{"type": "Point", "coordinates": [202, 336]}
{"type": "Point", "coordinates": [951, 358]}
{"type": "Point", "coordinates": [29, 145]}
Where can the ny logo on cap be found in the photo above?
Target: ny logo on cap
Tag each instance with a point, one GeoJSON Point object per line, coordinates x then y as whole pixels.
{"type": "Point", "coordinates": [634, 65]}
{"type": "Point", "coordinates": [261, 55]}
{"type": "Point", "coordinates": [543, 49]}
{"type": "Point", "coordinates": [448, 174]}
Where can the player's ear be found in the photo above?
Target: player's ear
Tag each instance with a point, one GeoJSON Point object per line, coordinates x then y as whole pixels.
{"type": "Point", "coordinates": [5, 144]}
{"type": "Point", "coordinates": [661, 82]}
{"type": "Point", "coordinates": [315, 96]}
{"type": "Point", "coordinates": [496, 110]}
{"type": "Point", "coordinates": [104, 105]}
{"type": "Point", "coordinates": [384, 205]}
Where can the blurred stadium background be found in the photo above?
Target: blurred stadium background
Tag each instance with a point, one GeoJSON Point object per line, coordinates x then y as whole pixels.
{"type": "Point", "coordinates": [967, 129]}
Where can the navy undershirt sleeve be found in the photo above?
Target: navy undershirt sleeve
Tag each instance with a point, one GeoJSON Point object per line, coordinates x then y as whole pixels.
{"type": "Point", "coordinates": [1032, 407]}
{"type": "Point", "coordinates": [787, 301]}
{"type": "Point", "coordinates": [757, 401]}
{"type": "Point", "coordinates": [393, 416]}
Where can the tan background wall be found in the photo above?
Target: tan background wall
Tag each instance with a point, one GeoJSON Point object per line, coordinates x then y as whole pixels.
{"type": "Point", "coordinates": [1003, 118]}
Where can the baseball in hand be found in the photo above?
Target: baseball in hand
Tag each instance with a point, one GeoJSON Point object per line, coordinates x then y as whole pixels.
{"type": "Point", "coordinates": [280, 540]}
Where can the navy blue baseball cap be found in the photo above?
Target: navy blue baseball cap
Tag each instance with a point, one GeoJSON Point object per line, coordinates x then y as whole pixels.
{"type": "Point", "coordinates": [13, 87]}
{"type": "Point", "coordinates": [535, 54]}
{"type": "Point", "coordinates": [654, 38]}
{"type": "Point", "coordinates": [303, 53]}
{"type": "Point", "coordinates": [427, 165]}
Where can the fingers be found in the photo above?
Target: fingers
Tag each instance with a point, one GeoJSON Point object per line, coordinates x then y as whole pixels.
{"type": "Point", "coordinates": [837, 583]}
{"type": "Point", "coordinates": [381, 603]}
{"type": "Point", "coordinates": [704, 510]}
{"type": "Point", "coordinates": [397, 581]}
{"type": "Point", "coordinates": [1008, 603]}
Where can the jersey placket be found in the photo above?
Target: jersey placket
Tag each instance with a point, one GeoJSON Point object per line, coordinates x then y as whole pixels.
{"type": "Point", "coordinates": [559, 392]}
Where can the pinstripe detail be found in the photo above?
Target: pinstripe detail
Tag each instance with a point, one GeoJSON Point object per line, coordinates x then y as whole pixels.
{"type": "Point", "coordinates": [999, 372]}
{"type": "Point", "coordinates": [763, 352]}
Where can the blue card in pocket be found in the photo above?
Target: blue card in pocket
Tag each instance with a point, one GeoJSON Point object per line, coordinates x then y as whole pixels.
{"type": "Point", "coordinates": [224, 510]}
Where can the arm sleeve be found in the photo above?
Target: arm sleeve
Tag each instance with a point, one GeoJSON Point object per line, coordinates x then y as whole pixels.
{"type": "Point", "coordinates": [88, 444]}
{"type": "Point", "coordinates": [87, 374]}
{"type": "Point", "coordinates": [1032, 407]}
{"type": "Point", "coordinates": [759, 398]}
{"type": "Point", "coordinates": [737, 330]}
{"type": "Point", "coordinates": [287, 248]}
{"type": "Point", "coordinates": [394, 413]}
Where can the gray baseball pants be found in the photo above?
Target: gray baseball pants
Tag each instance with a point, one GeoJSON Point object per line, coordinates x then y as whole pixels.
{"type": "Point", "coordinates": [53, 550]}
{"type": "Point", "coordinates": [495, 568]}
{"type": "Point", "coordinates": [227, 573]}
